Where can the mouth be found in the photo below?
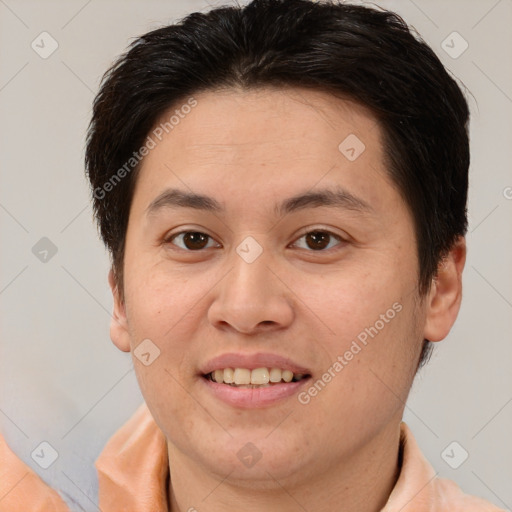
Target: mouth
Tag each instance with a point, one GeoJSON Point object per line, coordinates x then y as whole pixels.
{"type": "Point", "coordinates": [257, 388]}
{"type": "Point", "coordinates": [254, 379]}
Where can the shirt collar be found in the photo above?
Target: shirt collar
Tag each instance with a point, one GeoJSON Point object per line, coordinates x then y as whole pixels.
{"type": "Point", "coordinates": [133, 468]}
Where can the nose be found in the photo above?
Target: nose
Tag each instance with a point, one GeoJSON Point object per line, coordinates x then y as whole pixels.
{"type": "Point", "coordinates": [252, 298]}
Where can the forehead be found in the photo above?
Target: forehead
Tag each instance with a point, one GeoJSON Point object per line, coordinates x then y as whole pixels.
{"type": "Point", "coordinates": [236, 122]}
{"type": "Point", "coordinates": [266, 141]}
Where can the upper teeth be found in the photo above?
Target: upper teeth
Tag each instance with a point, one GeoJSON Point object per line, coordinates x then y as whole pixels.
{"type": "Point", "coordinates": [242, 376]}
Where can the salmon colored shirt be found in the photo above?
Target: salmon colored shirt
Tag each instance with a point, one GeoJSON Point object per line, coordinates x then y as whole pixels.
{"type": "Point", "coordinates": [133, 475]}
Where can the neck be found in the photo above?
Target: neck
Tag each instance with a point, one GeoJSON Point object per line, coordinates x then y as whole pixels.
{"type": "Point", "coordinates": [361, 483]}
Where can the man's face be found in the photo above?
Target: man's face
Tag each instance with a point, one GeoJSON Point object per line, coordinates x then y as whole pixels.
{"type": "Point", "coordinates": [317, 284]}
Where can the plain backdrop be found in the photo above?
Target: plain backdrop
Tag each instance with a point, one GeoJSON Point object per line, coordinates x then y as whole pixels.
{"type": "Point", "coordinates": [61, 379]}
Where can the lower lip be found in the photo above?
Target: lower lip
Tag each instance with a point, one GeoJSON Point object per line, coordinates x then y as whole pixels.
{"type": "Point", "coordinates": [254, 398]}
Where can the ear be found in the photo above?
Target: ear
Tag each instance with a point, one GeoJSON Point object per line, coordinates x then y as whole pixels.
{"type": "Point", "coordinates": [119, 333]}
{"type": "Point", "coordinates": [445, 295]}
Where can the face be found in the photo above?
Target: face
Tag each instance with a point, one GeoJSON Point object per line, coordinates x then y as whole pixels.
{"type": "Point", "coordinates": [303, 250]}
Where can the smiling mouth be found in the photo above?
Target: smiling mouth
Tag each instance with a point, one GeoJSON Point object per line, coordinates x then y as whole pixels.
{"type": "Point", "coordinates": [251, 379]}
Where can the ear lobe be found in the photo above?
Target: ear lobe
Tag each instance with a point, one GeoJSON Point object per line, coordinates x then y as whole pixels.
{"type": "Point", "coordinates": [119, 333]}
{"type": "Point", "coordinates": [444, 298]}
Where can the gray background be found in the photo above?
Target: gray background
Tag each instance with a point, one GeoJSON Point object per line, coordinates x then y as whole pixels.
{"type": "Point", "coordinates": [63, 381]}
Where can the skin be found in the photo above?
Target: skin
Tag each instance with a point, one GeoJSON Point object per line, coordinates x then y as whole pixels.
{"type": "Point", "coordinates": [250, 150]}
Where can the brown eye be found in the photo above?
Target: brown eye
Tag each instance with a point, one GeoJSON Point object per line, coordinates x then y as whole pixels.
{"type": "Point", "coordinates": [190, 240]}
{"type": "Point", "coordinates": [319, 240]}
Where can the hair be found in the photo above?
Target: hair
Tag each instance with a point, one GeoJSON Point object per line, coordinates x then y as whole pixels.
{"type": "Point", "coordinates": [365, 54]}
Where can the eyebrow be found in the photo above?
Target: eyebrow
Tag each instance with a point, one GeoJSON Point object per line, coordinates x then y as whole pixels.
{"type": "Point", "coordinates": [336, 198]}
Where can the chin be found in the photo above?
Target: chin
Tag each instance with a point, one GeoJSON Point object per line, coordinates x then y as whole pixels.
{"type": "Point", "coordinates": [256, 460]}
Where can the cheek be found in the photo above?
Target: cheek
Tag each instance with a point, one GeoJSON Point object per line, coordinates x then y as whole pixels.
{"type": "Point", "coordinates": [358, 297]}
{"type": "Point", "coordinates": [371, 337]}
{"type": "Point", "coordinates": [161, 301]}
{"type": "Point", "coordinates": [160, 307]}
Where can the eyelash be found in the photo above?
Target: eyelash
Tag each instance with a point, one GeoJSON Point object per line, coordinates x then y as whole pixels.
{"type": "Point", "coordinates": [340, 239]}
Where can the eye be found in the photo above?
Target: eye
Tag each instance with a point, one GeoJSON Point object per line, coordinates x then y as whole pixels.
{"type": "Point", "coordinates": [190, 240]}
{"type": "Point", "coordinates": [318, 240]}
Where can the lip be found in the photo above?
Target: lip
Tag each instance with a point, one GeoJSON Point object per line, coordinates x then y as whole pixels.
{"type": "Point", "coordinates": [255, 398]}
{"type": "Point", "coordinates": [251, 362]}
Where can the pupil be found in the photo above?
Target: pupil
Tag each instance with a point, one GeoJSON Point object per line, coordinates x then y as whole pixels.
{"type": "Point", "coordinates": [319, 239]}
{"type": "Point", "coordinates": [195, 240]}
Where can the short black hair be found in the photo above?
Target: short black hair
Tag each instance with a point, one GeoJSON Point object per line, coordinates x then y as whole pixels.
{"type": "Point", "coordinates": [366, 54]}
